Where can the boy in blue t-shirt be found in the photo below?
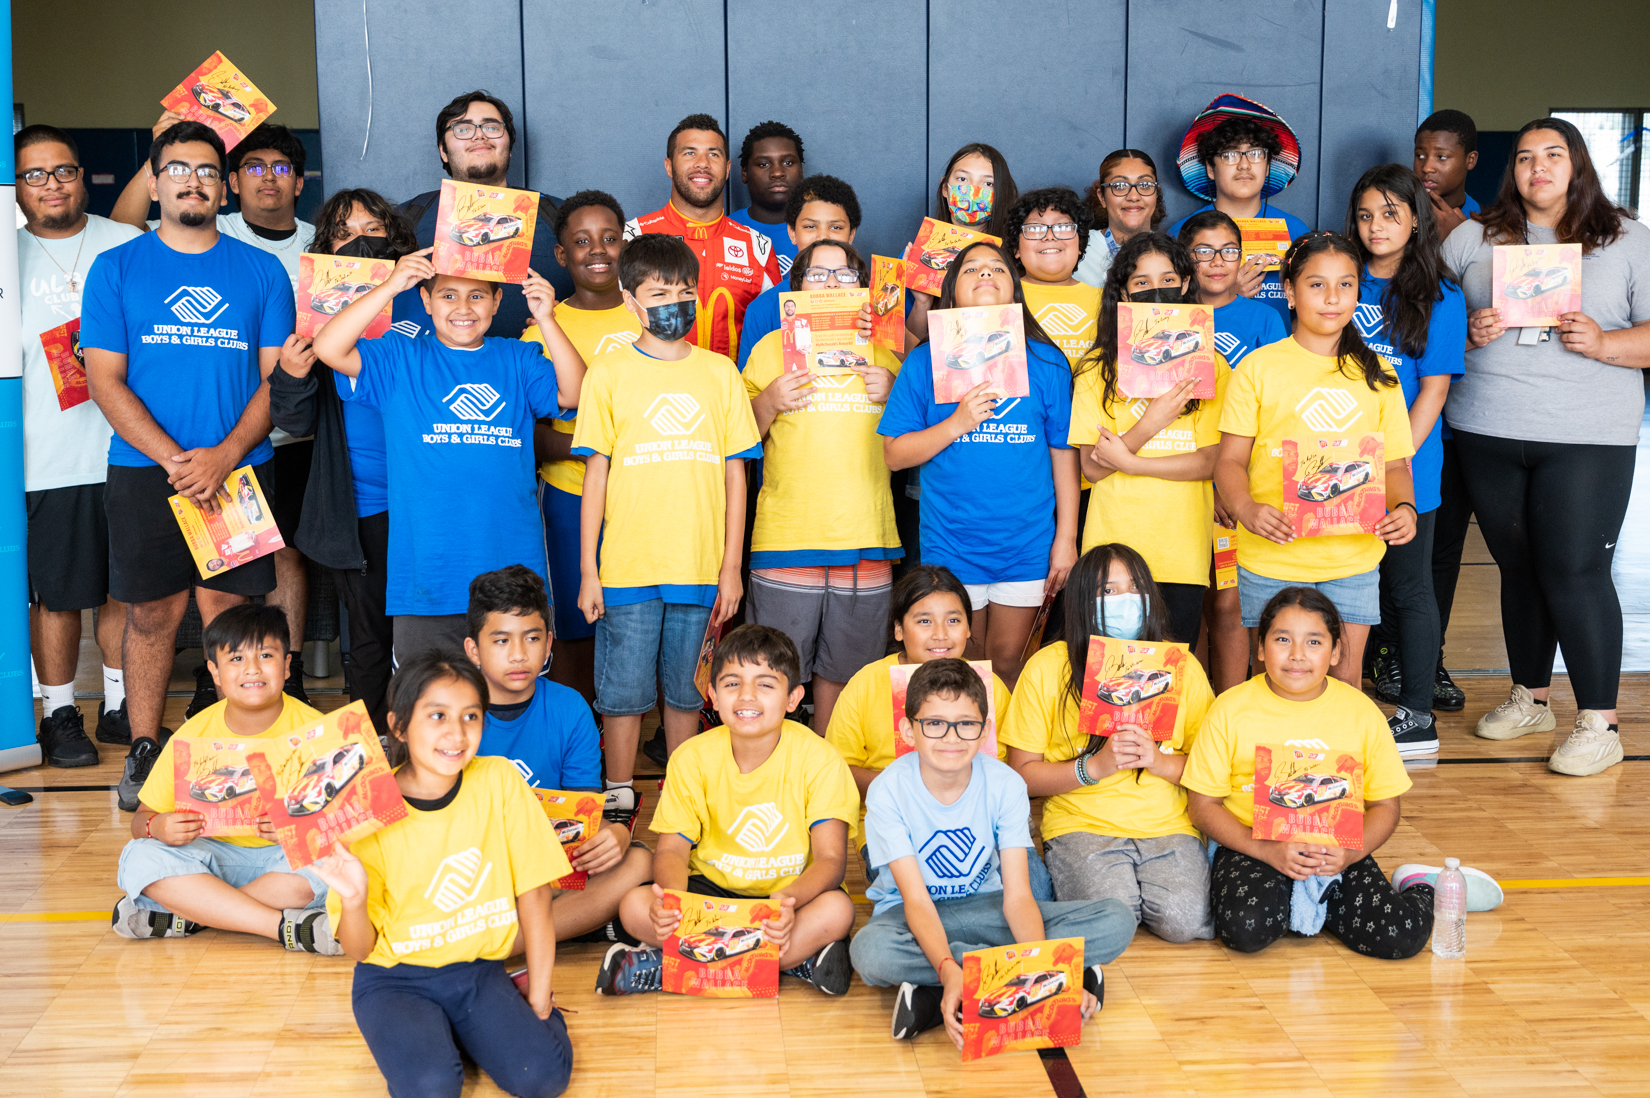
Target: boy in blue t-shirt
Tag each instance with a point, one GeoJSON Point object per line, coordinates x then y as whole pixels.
{"type": "Point", "coordinates": [1446, 149]}
{"type": "Point", "coordinates": [545, 729]}
{"type": "Point", "coordinates": [770, 167]}
{"type": "Point", "coordinates": [948, 834]}
{"type": "Point", "coordinates": [458, 411]}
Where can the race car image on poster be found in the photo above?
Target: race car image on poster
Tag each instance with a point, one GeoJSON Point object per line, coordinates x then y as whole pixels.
{"type": "Point", "coordinates": [977, 350]}
{"type": "Point", "coordinates": [938, 258]}
{"type": "Point", "coordinates": [839, 357]}
{"type": "Point", "coordinates": [1161, 347]}
{"type": "Point", "coordinates": [1537, 282]}
{"type": "Point", "coordinates": [1136, 686]}
{"type": "Point", "coordinates": [720, 942]}
{"type": "Point", "coordinates": [1334, 480]}
{"type": "Point", "coordinates": [332, 301]}
{"type": "Point", "coordinates": [223, 784]}
{"type": "Point", "coordinates": [486, 228]}
{"type": "Point", "coordinates": [568, 830]}
{"type": "Point", "coordinates": [1309, 789]}
{"type": "Point", "coordinates": [218, 101]}
{"type": "Point", "coordinates": [324, 778]}
{"type": "Point", "coordinates": [1021, 992]}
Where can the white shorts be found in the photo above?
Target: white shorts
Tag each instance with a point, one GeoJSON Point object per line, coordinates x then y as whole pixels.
{"type": "Point", "coordinates": [1020, 593]}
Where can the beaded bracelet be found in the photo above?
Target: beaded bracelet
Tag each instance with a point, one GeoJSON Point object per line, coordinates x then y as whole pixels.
{"type": "Point", "coordinates": [1083, 771]}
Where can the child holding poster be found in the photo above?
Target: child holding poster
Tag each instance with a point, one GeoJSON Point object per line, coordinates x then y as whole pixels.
{"type": "Point", "coordinates": [1312, 425]}
{"type": "Point", "coordinates": [176, 878]}
{"type": "Point", "coordinates": [1115, 823]}
{"type": "Point", "coordinates": [430, 907]}
{"type": "Point", "coordinates": [948, 834]}
{"type": "Point", "coordinates": [976, 191]}
{"type": "Point", "coordinates": [1338, 806]}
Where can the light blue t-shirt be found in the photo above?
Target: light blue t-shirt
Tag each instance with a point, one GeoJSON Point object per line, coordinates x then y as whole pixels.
{"type": "Point", "coordinates": [1271, 286]}
{"type": "Point", "coordinates": [761, 317]}
{"type": "Point", "coordinates": [783, 249]}
{"type": "Point", "coordinates": [190, 326]}
{"type": "Point", "coordinates": [988, 498]}
{"type": "Point", "coordinates": [552, 741]}
{"type": "Point", "coordinates": [458, 437]}
{"type": "Point", "coordinates": [1445, 356]}
{"type": "Point", "coordinates": [956, 845]}
{"type": "Point", "coordinates": [1244, 325]}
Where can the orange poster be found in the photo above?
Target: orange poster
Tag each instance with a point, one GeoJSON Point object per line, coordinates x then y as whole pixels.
{"type": "Point", "coordinates": [67, 363]}
{"type": "Point", "coordinates": [1532, 284]}
{"type": "Point", "coordinates": [327, 283]}
{"type": "Point", "coordinates": [707, 655]}
{"type": "Point", "coordinates": [1309, 794]}
{"type": "Point", "coordinates": [211, 776]}
{"type": "Point", "coordinates": [219, 95]}
{"type": "Point", "coordinates": [329, 784]}
{"type": "Point", "coordinates": [242, 530]}
{"type": "Point", "coordinates": [1132, 682]}
{"type": "Point", "coordinates": [819, 330]}
{"type": "Point", "coordinates": [888, 303]}
{"type": "Point", "coordinates": [1023, 996]}
{"type": "Point", "coordinates": [1267, 236]}
{"type": "Point", "coordinates": [1034, 639]}
{"type": "Point", "coordinates": [576, 816]}
{"type": "Point", "coordinates": [986, 343]}
{"type": "Point", "coordinates": [1334, 485]}
{"type": "Point", "coordinates": [905, 736]}
{"type": "Point", "coordinates": [718, 951]}
{"type": "Point", "coordinates": [1225, 558]}
{"type": "Point", "coordinates": [1159, 346]}
{"type": "Point", "coordinates": [930, 255]}
{"type": "Point", "coordinates": [485, 232]}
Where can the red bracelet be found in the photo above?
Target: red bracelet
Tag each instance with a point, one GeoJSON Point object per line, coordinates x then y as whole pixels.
{"type": "Point", "coordinates": [148, 825]}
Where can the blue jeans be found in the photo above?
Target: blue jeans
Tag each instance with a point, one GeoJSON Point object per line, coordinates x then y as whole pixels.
{"type": "Point", "coordinates": [643, 644]}
{"type": "Point", "coordinates": [885, 953]}
{"type": "Point", "coordinates": [145, 861]}
{"type": "Point", "coordinates": [1357, 598]}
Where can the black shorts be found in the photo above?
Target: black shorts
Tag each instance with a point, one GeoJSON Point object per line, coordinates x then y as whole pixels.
{"type": "Point", "coordinates": [148, 558]}
{"type": "Point", "coordinates": [68, 548]}
{"type": "Point", "coordinates": [704, 886]}
{"type": "Point", "coordinates": [285, 489]}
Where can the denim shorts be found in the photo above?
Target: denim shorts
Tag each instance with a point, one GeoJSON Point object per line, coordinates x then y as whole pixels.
{"type": "Point", "coordinates": [145, 861]}
{"type": "Point", "coordinates": [644, 647]}
{"type": "Point", "coordinates": [1358, 598]}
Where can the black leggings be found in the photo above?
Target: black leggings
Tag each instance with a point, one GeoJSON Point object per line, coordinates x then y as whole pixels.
{"type": "Point", "coordinates": [1369, 916]}
{"type": "Point", "coordinates": [1184, 602]}
{"type": "Point", "coordinates": [1449, 536]}
{"type": "Point", "coordinates": [1550, 513]}
{"type": "Point", "coordinates": [1409, 614]}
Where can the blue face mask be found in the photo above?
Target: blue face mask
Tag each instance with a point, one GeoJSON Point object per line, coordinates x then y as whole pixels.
{"type": "Point", "coordinates": [1124, 616]}
{"type": "Point", "coordinates": [672, 322]}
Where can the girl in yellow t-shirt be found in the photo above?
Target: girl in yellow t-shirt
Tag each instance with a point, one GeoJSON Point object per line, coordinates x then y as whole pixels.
{"type": "Point", "coordinates": [1321, 390]}
{"type": "Point", "coordinates": [1150, 460]}
{"type": "Point", "coordinates": [432, 905]}
{"type": "Point", "coordinates": [1115, 821]}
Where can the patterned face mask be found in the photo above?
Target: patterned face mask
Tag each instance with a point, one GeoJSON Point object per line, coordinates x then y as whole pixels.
{"type": "Point", "coordinates": [672, 322]}
{"type": "Point", "coordinates": [969, 205]}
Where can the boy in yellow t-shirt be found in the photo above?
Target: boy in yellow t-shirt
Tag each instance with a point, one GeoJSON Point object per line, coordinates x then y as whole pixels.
{"type": "Point", "coordinates": [177, 880]}
{"type": "Point", "coordinates": [1047, 233]}
{"type": "Point", "coordinates": [664, 428]}
{"type": "Point", "coordinates": [759, 807]}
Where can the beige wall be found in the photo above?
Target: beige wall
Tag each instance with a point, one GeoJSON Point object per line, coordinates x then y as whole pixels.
{"type": "Point", "coordinates": [106, 63]}
{"type": "Point", "coordinates": [1507, 61]}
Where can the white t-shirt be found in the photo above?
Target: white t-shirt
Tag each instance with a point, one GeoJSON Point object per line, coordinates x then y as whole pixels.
{"type": "Point", "coordinates": [60, 448]}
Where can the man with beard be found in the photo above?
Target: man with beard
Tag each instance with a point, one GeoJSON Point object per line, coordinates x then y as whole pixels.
{"type": "Point", "coordinates": [735, 261]}
{"type": "Point", "coordinates": [181, 328]}
{"type": "Point", "coordinates": [65, 444]}
{"type": "Point", "coordinates": [476, 136]}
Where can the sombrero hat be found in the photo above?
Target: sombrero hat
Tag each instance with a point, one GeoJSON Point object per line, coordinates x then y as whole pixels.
{"type": "Point", "coordinates": [1284, 166]}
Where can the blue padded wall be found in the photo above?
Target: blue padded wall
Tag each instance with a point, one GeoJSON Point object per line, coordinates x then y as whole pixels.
{"type": "Point", "coordinates": [1371, 84]}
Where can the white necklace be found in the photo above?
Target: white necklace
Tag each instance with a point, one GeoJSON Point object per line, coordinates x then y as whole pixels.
{"type": "Point", "coordinates": [74, 286]}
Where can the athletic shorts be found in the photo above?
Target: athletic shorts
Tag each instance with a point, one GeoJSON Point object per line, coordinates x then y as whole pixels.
{"type": "Point", "coordinates": [286, 495]}
{"type": "Point", "coordinates": [837, 616]}
{"type": "Point", "coordinates": [148, 558]}
{"type": "Point", "coordinates": [1018, 593]}
{"type": "Point", "coordinates": [1357, 598]}
{"type": "Point", "coordinates": [68, 543]}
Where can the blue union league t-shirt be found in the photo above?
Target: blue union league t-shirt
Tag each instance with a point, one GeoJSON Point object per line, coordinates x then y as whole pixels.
{"type": "Point", "coordinates": [458, 438]}
{"type": "Point", "coordinates": [190, 326]}
{"type": "Point", "coordinates": [988, 498]}
{"type": "Point", "coordinates": [1271, 286]}
{"type": "Point", "coordinates": [553, 741]}
{"type": "Point", "coordinates": [956, 845]}
{"type": "Point", "coordinates": [1244, 324]}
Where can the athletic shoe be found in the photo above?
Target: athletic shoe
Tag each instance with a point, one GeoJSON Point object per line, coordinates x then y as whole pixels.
{"type": "Point", "coordinates": [63, 742]}
{"type": "Point", "coordinates": [828, 970]}
{"type": "Point", "coordinates": [139, 761]}
{"type": "Point", "coordinates": [1446, 696]}
{"type": "Point", "coordinates": [1094, 982]}
{"type": "Point", "coordinates": [620, 806]}
{"type": "Point", "coordinates": [1518, 716]}
{"type": "Point", "coordinates": [309, 930]}
{"type": "Point", "coordinates": [656, 748]}
{"type": "Point", "coordinates": [132, 921]}
{"type": "Point", "coordinates": [1591, 749]}
{"type": "Point", "coordinates": [294, 687]}
{"type": "Point", "coordinates": [206, 692]}
{"type": "Point", "coordinates": [917, 1010]}
{"type": "Point", "coordinates": [1483, 894]}
{"type": "Point", "coordinates": [1412, 736]}
{"type": "Point", "coordinates": [629, 970]}
{"type": "Point", "coordinates": [1387, 674]}
{"type": "Point", "coordinates": [113, 727]}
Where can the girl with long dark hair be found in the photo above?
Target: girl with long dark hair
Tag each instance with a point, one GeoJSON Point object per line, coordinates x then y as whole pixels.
{"type": "Point", "coordinates": [976, 191]}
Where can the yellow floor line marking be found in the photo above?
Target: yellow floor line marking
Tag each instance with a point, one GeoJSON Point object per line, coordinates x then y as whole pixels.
{"type": "Point", "coordinates": [56, 917]}
{"type": "Point", "coordinates": [1580, 882]}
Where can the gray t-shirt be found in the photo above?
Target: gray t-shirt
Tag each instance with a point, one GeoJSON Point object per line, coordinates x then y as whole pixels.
{"type": "Point", "coordinates": [1543, 393]}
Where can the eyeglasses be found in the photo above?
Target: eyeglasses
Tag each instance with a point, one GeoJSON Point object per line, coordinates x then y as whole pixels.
{"type": "Point", "coordinates": [63, 173]}
{"type": "Point", "coordinates": [935, 729]}
{"type": "Point", "coordinates": [179, 172]}
{"type": "Point", "coordinates": [1063, 230]}
{"type": "Point", "coordinates": [1120, 187]}
{"type": "Point", "coordinates": [258, 171]}
{"type": "Point", "coordinates": [1232, 156]}
{"type": "Point", "coordinates": [823, 274]}
{"type": "Point", "coordinates": [466, 130]}
{"type": "Point", "coordinates": [1203, 253]}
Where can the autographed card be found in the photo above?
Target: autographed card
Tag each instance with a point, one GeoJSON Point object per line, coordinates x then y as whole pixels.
{"type": "Point", "coordinates": [1533, 284]}
{"type": "Point", "coordinates": [1132, 682]}
{"type": "Point", "coordinates": [1022, 996]}
{"type": "Point", "coordinates": [819, 330]}
{"type": "Point", "coordinates": [243, 529]}
{"type": "Point", "coordinates": [1334, 485]}
{"type": "Point", "coordinates": [930, 255]}
{"type": "Point", "coordinates": [576, 816]}
{"type": "Point", "coordinates": [985, 343]}
{"type": "Point", "coordinates": [1265, 236]}
{"type": "Point", "coordinates": [1309, 794]}
{"type": "Point", "coordinates": [211, 776]}
{"type": "Point", "coordinates": [485, 232]}
{"type": "Point", "coordinates": [219, 95]}
{"type": "Point", "coordinates": [888, 303]}
{"type": "Point", "coordinates": [718, 950]}
{"type": "Point", "coordinates": [1159, 346]}
{"type": "Point", "coordinates": [327, 283]}
{"type": "Point", "coordinates": [67, 364]}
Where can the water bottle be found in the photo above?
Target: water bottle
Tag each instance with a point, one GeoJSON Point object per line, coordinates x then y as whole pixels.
{"type": "Point", "coordinates": [1449, 912]}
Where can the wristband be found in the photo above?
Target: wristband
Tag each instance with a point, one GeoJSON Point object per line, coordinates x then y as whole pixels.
{"type": "Point", "coordinates": [1083, 771]}
{"type": "Point", "coordinates": [148, 827]}
{"type": "Point", "coordinates": [1411, 506]}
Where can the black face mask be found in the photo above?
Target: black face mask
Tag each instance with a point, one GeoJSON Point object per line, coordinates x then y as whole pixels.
{"type": "Point", "coordinates": [1159, 295]}
{"type": "Point", "coordinates": [367, 247]}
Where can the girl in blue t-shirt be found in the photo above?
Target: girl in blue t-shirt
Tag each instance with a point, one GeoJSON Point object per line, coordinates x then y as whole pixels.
{"type": "Point", "coordinates": [1414, 316]}
{"type": "Point", "coordinates": [999, 485]}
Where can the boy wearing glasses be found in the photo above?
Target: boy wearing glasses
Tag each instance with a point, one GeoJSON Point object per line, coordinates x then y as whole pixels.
{"type": "Point", "coordinates": [1047, 233]}
{"type": "Point", "coordinates": [948, 834]}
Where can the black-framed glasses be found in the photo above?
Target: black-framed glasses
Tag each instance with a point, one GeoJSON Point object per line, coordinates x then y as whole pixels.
{"type": "Point", "coordinates": [1203, 253]}
{"type": "Point", "coordinates": [935, 729]}
{"type": "Point", "coordinates": [823, 274]}
{"type": "Point", "coordinates": [1232, 156]}
{"type": "Point", "coordinates": [258, 171]}
{"type": "Point", "coordinates": [466, 130]}
{"type": "Point", "coordinates": [1063, 230]}
{"type": "Point", "coordinates": [1120, 187]}
{"type": "Point", "coordinates": [63, 173]}
{"type": "Point", "coordinates": [179, 172]}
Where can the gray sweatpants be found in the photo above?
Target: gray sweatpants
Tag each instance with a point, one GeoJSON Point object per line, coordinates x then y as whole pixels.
{"type": "Point", "coordinates": [1164, 881]}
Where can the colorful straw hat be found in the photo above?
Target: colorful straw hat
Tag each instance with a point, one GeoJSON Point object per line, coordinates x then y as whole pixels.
{"type": "Point", "coordinates": [1284, 166]}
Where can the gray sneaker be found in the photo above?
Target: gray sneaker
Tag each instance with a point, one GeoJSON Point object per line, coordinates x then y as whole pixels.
{"type": "Point", "coordinates": [132, 921]}
{"type": "Point", "coordinates": [1518, 716]}
{"type": "Point", "coordinates": [1591, 749]}
{"type": "Point", "coordinates": [139, 761]}
{"type": "Point", "coordinates": [309, 930]}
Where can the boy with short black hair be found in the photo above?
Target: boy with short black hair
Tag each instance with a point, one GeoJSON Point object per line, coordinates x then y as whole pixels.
{"type": "Point", "coordinates": [759, 807]}
{"type": "Point", "coordinates": [1446, 149]}
{"type": "Point", "coordinates": [178, 882]}
{"type": "Point", "coordinates": [770, 167]}
{"type": "Point", "coordinates": [948, 834]}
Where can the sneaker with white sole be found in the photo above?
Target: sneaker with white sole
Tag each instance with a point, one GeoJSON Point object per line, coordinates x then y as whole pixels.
{"type": "Point", "coordinates": [1518, 716]}
{"type": "Point", "coordinates": [628, 970]}
{"type": "Point", "coordinates": [1094, 982]}
{"type": "Point", "coordinates": [1591, 749]}
{"type": "Point", "coordinates": [917, 1010]}
{"type": "Point", "coordinates": [1411, 736]}
{"type": "Point", "coordinates": [309, 930]}
{"type": "Point", "coordinates": [131, 921]}
{"type": "Point", "coordinates": [1483, 893]}
{"type": "Point", "coordinates": [828, 970]}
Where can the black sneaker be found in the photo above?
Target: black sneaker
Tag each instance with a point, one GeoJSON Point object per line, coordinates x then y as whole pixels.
{"type": "Point", "coordinates": [828, 970]}
{"type": "Point", "coordinates": [1094, 982]}
{"type": "Point", "coordinates": [1415, 733]}
{"type": "Point", "coordinates": [1388, 676]}
{"type": "Point", "coordinates": [294, 687]}
{"type": "Point", "coordinates": [917, 1010]}
{"type": "Point", "coordinates": [206, 693]}
{"type": "Point", "coordinates": [627, 970]}
{"type": "Point", "coordinates": [607, 934]}
{"type": "Point", "coordinates": [63, 742]}
{"type": "Point", "coordinates": [1446, 696]}
{"type": "Point", "coordinates": [139, 761]}
{"type": "Point", "coordinates": [112, 726]}
{"type": "Point", "coordinates": [656, 749]}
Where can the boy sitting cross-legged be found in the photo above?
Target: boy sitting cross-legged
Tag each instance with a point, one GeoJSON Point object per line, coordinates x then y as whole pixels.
{"type": "Point", "coordinates": [545, 729]}
{"type": "Point", "coordinates": [948, 836]}
{"type": "Point", "coordinates": [759, 807]}
{"type": "Point", "coordinates": [177, 881]}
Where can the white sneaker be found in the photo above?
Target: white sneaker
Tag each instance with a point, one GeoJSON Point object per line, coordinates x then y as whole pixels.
{"type": "Point", "coordinates": [1483, 893]}
{"type": "Point", "coordinates": [1518, 716]}
{"type": "Point", "coordinates": [131, 921]}
{"type": "Point", "coordinates": [1591, 749]}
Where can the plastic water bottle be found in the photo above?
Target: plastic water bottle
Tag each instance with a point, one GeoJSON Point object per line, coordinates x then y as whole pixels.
{"type": "Point", "coordinates": [1449, 912]}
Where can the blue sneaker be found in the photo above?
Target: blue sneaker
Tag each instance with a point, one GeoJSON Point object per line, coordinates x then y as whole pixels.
{"type": "Point", "coordinates": [630, 970]}
{"type": "Point", "coordinates": [1483, 894]}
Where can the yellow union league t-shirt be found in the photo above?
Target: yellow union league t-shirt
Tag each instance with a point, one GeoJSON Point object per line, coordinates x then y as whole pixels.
{"type": "Point", "coordinates": [1284, 391]}
{"type": "Point", "coordinates": [1069, 314]}
{"type": "Point", "coordinates": [1222, 762]}
{"type": "Point", "coordinates": [751, 832]}
{"type": "Point", "coordinates": [1042, 719]}
{"type": "Point", "coordinates": [824, 482]}
{"type": "Point", "coordinates": [159, 792]}
{"type": "Point", "coordinates": [593, 333]}
{"type": "Point", "coordinates": [668, 428]}
{"type": "Point", "coordinates": [1165, 521]}
{"type": "Point", "coordinates": [442, 885]}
